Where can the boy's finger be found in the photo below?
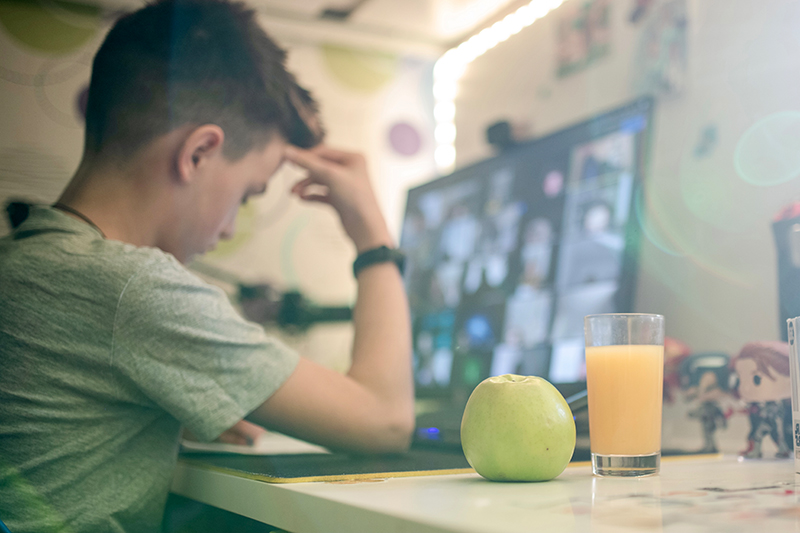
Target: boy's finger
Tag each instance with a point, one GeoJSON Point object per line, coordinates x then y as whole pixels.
{"type": "Point", "coordinates": [319, 198]}
{"type": "Point", "coordinates": [337, 156]}
{"type": "Point", "coordinates": [319, 168]}
{"type": "Point", "coordinates": [247, 431]}
{"type": "Point", "coordinates": [232, 438]}
{"type": "Point", "coordinates": [298, 187]}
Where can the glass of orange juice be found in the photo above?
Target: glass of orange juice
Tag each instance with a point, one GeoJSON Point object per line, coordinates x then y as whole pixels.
{"type": "Point", "coordinates": [624, 378]}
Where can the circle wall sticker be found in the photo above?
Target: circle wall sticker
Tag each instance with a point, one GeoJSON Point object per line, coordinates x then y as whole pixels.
{"type": "Point", "coordinates": [361, 71]}
{"type": "Point", "coordinates": [404, 139]}
{"type": "Point", "coordinates": [52, 26]}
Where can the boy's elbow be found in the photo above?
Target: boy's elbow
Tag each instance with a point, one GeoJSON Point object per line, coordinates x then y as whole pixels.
{"type": "Point", "coordinates": [402, 432]}
{"type": "Point", "coordinates": [393, 436]}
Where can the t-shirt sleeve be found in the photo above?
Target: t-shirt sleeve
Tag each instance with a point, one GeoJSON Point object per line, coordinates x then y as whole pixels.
{"type": "Point", "coordinates": [181, 342]}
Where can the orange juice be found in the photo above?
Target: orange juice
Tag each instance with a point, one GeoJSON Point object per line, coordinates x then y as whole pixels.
{"type": "Point", "coordinates": [624, 384]}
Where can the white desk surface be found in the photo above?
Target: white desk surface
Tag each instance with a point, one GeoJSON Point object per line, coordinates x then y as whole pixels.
{"type": "Point", "coordinates": [690, 495]}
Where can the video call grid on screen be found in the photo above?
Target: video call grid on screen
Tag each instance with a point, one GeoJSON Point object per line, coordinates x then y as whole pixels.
{"type": "Point", "coordinates": [507, 256]}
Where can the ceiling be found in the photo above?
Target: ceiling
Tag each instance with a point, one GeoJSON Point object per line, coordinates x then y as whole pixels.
{"type": "Point", "coordinates": [438, 21]}
{"type": "Point", "coordinates": [425, 27]}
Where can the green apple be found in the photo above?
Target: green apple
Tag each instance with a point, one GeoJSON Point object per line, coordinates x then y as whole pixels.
{"type": "Point", "coordinates": [517, 428]}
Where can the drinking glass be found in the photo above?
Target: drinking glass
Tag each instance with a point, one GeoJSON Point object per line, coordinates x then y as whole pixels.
{"type": "Point", "coordinates": [624, 378]}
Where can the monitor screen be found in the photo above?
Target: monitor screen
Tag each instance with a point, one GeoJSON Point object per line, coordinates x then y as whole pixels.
{"type": "Point", "coordinates": [506, 256]}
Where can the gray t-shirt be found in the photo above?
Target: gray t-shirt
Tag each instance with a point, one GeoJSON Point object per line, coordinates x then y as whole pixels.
{"type": "Point", "coordinates": [106, 350]}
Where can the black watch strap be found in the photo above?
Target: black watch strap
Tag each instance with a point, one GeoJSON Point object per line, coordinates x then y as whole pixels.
{"type": "Point", "coordinates": [381, 254]}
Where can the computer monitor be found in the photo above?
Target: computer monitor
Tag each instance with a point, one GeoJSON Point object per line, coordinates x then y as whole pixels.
{"type": "Point", "coordinates": [506, 256]}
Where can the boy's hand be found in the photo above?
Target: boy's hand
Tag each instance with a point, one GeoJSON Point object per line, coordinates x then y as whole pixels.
{"type": "Point", "coordinates": [243, 433]}
{"type": "Point", "coordinates": [340, 179]}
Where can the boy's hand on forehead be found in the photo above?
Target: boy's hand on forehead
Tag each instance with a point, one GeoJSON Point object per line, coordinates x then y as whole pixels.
{"type": "Point", "coordinates": [340, 179]}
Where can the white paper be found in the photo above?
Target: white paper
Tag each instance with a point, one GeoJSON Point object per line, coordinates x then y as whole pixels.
{"type": "Point", "coordinates": [267, 444]}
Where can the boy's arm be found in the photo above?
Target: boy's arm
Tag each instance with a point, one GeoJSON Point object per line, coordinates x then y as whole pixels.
{"type": "Point", "coordinates": [371, 408]}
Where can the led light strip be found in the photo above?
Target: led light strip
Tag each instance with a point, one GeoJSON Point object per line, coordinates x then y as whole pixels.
{"type": "Point", "coordinates": [451, 66]}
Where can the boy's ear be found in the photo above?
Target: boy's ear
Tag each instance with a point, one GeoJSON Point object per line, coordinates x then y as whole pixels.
{"type": "Point", "coordinates": [202, 143]}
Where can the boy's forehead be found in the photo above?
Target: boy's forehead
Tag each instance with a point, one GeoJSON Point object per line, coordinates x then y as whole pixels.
{"type": "Point", "coordinates": [269, 160]}
{"type": "Point", "coordinates": [270, 150]}
{"type": "Point", "coordinates": [276, 141]}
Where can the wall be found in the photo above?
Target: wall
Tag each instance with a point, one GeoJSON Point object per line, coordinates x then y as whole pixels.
{"type": "Point", "coordinates": [375, 102]}
{"type": "Point", "coordinates": [708, 263]}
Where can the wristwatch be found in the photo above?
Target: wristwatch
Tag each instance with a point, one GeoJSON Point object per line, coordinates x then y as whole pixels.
{"type": "Point", "coordinates": [381, 254]}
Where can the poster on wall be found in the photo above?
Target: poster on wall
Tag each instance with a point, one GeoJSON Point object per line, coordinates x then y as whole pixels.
{"type": "Point", "coordinates": [584, 35]}
{"type": "Point", "coordinates": [640, 9]}
{"type": "Point", "coordinates": [660, 59]}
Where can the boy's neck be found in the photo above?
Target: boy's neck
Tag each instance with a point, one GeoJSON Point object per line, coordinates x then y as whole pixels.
{"type": "Point", "coordinates": [124, 204]}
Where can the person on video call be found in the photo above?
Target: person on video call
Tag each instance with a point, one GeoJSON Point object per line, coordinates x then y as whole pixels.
{"type": "Point", "coordinates": [109, 345]}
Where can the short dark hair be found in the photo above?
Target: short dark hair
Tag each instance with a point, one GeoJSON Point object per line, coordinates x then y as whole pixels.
{"type": "Point", "coordinates": [178, 62]}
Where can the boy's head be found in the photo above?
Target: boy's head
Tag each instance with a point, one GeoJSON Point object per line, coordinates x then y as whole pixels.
{"type": "Point", "coordinates": [191, 62]}
{"type": "Point", "coordinates": [195, 91]}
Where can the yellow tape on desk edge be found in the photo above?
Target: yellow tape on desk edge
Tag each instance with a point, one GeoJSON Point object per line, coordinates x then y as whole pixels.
{"type": "Point", "coordinates": [334, 477]}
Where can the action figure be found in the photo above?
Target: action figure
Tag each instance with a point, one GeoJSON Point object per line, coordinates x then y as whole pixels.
{"type": "Point", "coordinates": [764, 384]}
{"type": "Point", "coordinates": [705, 378]}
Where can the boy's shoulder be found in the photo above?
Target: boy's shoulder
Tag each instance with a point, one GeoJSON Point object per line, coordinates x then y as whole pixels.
{"type": "Point", "coordinates": [55, 245]}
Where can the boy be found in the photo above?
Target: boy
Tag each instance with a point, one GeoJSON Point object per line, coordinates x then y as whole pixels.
{"type": "Point", "coordinates": [108, 345]}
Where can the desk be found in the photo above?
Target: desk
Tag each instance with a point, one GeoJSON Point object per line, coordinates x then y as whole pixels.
{"type": "Point", "coordinates": [690, 495]}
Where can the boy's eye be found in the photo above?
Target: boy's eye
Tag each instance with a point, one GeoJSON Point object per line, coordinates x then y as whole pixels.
{"type": "Point", "coordinates": [757, 380]}
{"type": "Point", "coordinates": [244, 200]}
